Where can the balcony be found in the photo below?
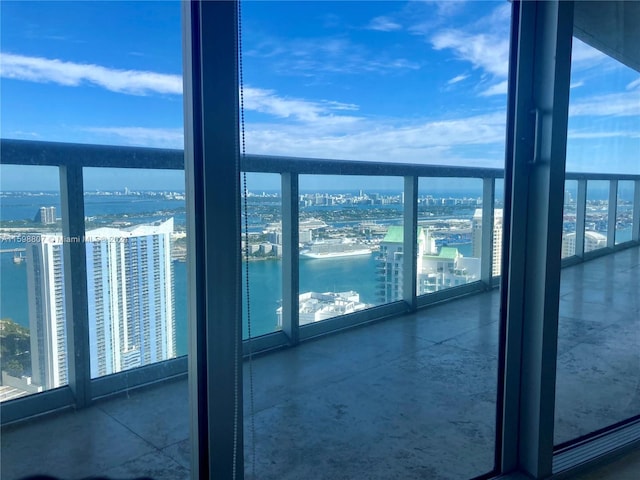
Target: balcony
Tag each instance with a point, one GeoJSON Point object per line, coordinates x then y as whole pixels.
{"type": "Point", "coordinates": [401, 391]}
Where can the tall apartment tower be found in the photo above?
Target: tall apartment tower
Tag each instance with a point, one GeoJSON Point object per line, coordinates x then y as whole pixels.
{"type": "Point", "coordinates": [45, 281]}
{"type": "Point", "coordinates": [390, 261]}
{"type": "Point", "coordinates": [476, 239]}
{"type": "Point", "coordinates": [592, 241]}
{"type": "Point", "coordinates": [130, 299]}
{"type": "Point", "coordinates": [46, 215]}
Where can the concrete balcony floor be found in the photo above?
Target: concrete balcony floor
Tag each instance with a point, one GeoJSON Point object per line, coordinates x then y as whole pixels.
{"type": "Point", "coordinates": [410, 397]}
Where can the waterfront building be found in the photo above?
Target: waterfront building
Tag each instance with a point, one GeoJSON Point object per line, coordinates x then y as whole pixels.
{"type": "Point", "coordinates": [45, 282]}
{"type": "Point", "coordinates": [390, 261]}
{"type": "Point", "coordinates": [315, 307]}
{"type": "Point", "coordinates": [476, 239]}
{"type": "Point", "coordinates": [306, 230]}
{"type": "Point", "coordinates": [46, 215]}
{"type": "Point", "coordinates": [447, 269]}
{"type": "Point", "coordinates": [592, 241]}
{"type": "Point", "coordinates": [130, 301]}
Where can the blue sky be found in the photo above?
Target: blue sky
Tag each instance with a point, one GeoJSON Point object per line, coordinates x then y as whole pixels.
{"type": "Point", "coordinates": [393, 81]}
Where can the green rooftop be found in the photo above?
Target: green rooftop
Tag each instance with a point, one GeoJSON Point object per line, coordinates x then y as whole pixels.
{"type": "Point", "coordinates": [395, 234]}
{"type": "Point", "coordinates": [449, 253]}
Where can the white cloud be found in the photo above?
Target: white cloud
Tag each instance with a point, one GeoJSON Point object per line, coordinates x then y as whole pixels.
{"type": "Point", "coordinates": [485, 51]}
{"type": "Point", "coordinates": [23, 134]}
{"type": "Point", "coordinates": [457, 79]}
{"type": "Point", "coordinates": [341, 105]}
{"type": "Point", "coordinates": [431, 141]}
{"type": "Point", "coordinates": [383, 24]}
{"type": "Point", "coordinates": [497, 89]}
{"type": "Point", "coordinates": [460, 141]}
{"type": "Point", "coordinates": [634, 84]}
{"type": "Point", "coordinates": [583, 55]}
{"type": "Point", "coordinates": [587, 135]}
{"type": "Point", "coordinates": [312, 57]}
{"type": "Point", "coordinates": [615, 104]}
{"type": "Point", "coordinates": [318, 113]}
{"type": "Point", "coordinates": [577, 84]}
{"type": "Point", "coordinates": [449, 8]}
{"type": "Point", "coordinates": [484, 44]}
{"type": "Point", "coordinates": [45, 70]}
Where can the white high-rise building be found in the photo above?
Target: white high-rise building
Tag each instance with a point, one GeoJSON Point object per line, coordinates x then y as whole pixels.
{"type": "Point", "coordinates": [390, 267]}
{"type": "Point", "coordinates": [592, 241]}
{"type": "Point", "coordinates": [45, 282]}
{"type": "Point", "coordinates": [315, 306]}
{"type": "Point", "coordinates": [447, 269]}
{"type": "Point", "coordinates": [476, 238]}
{"type": "Point", "coordinates": [130, 299]}
{"type": "Point", "coordinates": [46, 215]}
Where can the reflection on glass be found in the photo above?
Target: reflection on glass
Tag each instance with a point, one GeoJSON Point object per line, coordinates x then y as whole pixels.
{"type": "Point", "coordinates": [262, 254]}
{"type": "Point", "coordinates": [624, 211]}
{"type": "Point", "coordinates": [135, 246]}
{"type": "Point", "coordinates": [598, 343]}
{"type": "Point", "coordinates": [569, 217]}
{"type": "Point", "coordinates": [496, 263]}
{"type": "Point", "coordinates": [32, 310]}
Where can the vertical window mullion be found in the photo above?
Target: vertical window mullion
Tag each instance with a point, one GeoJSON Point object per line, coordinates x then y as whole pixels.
{"type": "Point", "coordinates": [290, 257]}
{"type": "Point", "coordinates": [635, 236]}
{"type": "Point", "coordinates": [537, 162]}
{"type": "Point", "coordinates": [581, 215]}
{"type": "Point", "coordinates": [612, 213]}
{"type": "Point", "coordinates": [212, 174]}
{"type": "Point", "coordinates": [486, 259]}
{"type": "Point", "coordinates": [410, 242]}
{"type": "Point", "coordinates": [75, 282]}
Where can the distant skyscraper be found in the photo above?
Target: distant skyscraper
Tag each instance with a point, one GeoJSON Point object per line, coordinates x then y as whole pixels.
{"type": "Point", "coordinates": [592, 241]}
{"type": "Point", "coordinates": [391, 267]}
{"type": "Point", "coordinates": [130, 299]}
{"type": "Point", "coordinates": [45, 283]}
{"type": "Point", "coordinates": [447, 269]}
{"type": "Point", "coordinates": [476, 238]}
{"type": "Point", "coordinates": [46, 215]}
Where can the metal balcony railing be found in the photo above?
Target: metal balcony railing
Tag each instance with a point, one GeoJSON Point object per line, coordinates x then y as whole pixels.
{"type": "Point", "coordinates": [72, 158]}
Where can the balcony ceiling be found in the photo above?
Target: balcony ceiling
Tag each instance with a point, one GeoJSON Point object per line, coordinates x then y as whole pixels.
{"type": "Point", "coordinates": [611, 27]}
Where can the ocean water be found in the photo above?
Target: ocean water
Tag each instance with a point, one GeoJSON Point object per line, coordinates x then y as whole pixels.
{"type": "Point", "coordinates": [265, 289]}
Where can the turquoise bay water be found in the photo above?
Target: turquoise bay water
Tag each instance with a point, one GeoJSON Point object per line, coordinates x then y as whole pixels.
{"type": "Point", "coordinates": [265, 287]}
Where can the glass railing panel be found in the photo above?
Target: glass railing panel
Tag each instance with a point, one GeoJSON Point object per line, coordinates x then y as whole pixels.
{"type": "Point", "coordinates": [596, 215]}
{"type": "Point", "coordinates": [351, 248]}
{"type": "Point", "coordinates": [136, 252]}
{"type": "Point", "coordinates": [262, 254]}
{"type": "Point", "coordinates": [449, 233]}
{"type": "Point", "coordinates": [598, 342]}
{"type": "Point", "coordinates": [624, 211]}
{"type": "Point", "coordinates": [32, 291]}
{"type": "Point", "coordinates": [569, 218]}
